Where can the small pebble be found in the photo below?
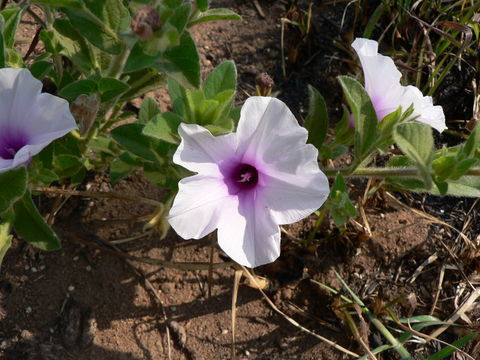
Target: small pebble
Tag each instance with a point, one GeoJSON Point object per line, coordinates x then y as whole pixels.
{"type": "Point", "coordinates": [52, 330]}
{"type": "Point", "coordinates": [42, 267]}
{"type": "Point", "coordinates": [34, 269]}
{"type": "Point", "coordinates": [173, 308]}
{"type": "Point", "coordinates": [224, 332]}
{"type": "Point", "coordinates": [247, 353]}
{"type": "Point", "coordinates": [28, 310]}
{"type": "Point", "coordinates": [27, 267]}
{"type": "Point", "coordinates": [75, 258]}
{"type": "Point", "coordinates": [88, 268]}
{"type": "Point", "coordinates": [71, 288]}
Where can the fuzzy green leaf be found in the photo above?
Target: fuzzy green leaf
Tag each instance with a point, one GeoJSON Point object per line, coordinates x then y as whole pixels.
{"type": "Point", "coordinates": [316, 121]}
{"type": "Point", "coordinates": [31, 226]}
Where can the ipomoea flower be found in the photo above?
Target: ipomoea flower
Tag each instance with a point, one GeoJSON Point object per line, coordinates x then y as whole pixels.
{"type": "Point", "coordinates": [248, 182]}
{"type": "Point", "coordinates": [29, 120]}
{"type": "Point", "coordinates": [382, 83]}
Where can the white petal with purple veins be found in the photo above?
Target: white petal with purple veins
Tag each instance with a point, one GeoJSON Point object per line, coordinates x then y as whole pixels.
{"type": "Point", "coordinates": [200, 151]}
{"type": "Point", "coordinates": [29, 120]}
{"type": "Point", "coordinates": [249, 182]}
{"type": "Point", "coordinates": [382, 83]}
{"type": "Point", "coordinates": [248, 233]}
{"type": "Point", "coordinates": [198, 206]}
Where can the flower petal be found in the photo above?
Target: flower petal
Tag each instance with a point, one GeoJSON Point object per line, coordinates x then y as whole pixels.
{"type": "Point", "coordinates": [50, 120]}
{"type": "Point", "coordinates": [291, 197]}
{"type": "Point", "coordinates": [382, 83]}
{"type": "Point", "coordinates": [199, 151]}
{"type": "Point", "coordinates": [18, 92]}
{"type": "Point", "coordinates": [382, 78]}
{"type": "Point", "coordinates": [247, 233]}
{"type": "Point", "coordinates": [268, 133]}
{"type": "Point", "coordinates": [423, 108]}
{"type": "Point", "coordinates": [198, 205]}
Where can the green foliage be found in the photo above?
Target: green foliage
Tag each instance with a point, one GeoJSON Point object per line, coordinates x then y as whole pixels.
{"type": "Point", "coordinates": [5, 240]}
{"type": "Point", "coordinates": [13, 185]}
{"type": "Point", "coordinates": [31, 226]}
{"type": "Point", "coordinates": [214, 14]}
{"type": "Point", "coordinates": [316, 121]}
{"type": "Point", "coordinates": [339, 204]}
{"type": "Point", "coordinates": [449, 350]}
{"type": "Point", "coordinates": [416, 141]}
{"type": "Point", "coordinates": [364, 115]}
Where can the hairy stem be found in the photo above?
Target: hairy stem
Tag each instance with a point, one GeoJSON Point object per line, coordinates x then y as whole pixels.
{"type": "Point", "coordinates": [385, 172]}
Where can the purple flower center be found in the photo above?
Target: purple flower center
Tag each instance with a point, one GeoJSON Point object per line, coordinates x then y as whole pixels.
{"type": "Point", "coordinates": [10, 143]}
{"type": "Point", "coordinates": [240, 177]}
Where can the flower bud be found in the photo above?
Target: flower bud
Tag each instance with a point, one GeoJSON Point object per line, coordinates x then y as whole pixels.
{"type": "Point", "coordinates": [264, 84]}
{"type": "Point", "coordinates": [145, 22]}
{"type": "Point", "coordinates": [84, 109]}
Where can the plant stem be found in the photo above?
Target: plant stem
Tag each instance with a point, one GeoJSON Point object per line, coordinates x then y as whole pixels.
{"type": "Point", "coordinates": [57, 59]}
{"type": "Point", "coordinates": [385, 172]}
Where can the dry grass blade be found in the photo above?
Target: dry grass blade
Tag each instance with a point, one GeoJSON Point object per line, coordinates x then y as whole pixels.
{"type": "Point", "coordinates": [236, 283]}
{"type": "Point", "coordinates": [466, 306]}
{"type": "Point", "coordinates": [430, 260]}
{"type": "Point", "coordinates": [430, 218]}
{"type": "Point", "coordinates": [439, 289]}
{"type": "Point", "coordinates": [296, 324]}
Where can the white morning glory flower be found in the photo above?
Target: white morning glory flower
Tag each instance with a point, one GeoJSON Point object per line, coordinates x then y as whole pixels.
{"type": "Point", "coordinates": [382, 83]}
{"type": "Point", "coordinates": [248, 182]}
{"type": "Point", "coordinates": [29, 120]}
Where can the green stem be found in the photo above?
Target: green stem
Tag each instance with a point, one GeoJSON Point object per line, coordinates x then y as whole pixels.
{"type": "Point", "coordinates": [321, 216]}
{"type": "Point", "coordinates": [118, 63]}
{"type": "Point", "coordinates": [389, 337]}
{"type": "Point", "coordinates": [57, 59]}
{"type": "Point", "coordinates": [385, 172]}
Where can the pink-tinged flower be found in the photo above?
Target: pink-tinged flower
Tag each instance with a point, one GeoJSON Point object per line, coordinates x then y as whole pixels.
{"type": "Point", "coordinates": [29, 120]}
{"type": "Point", "coordinates": [248, 182]}
{"type": "Point", "coordinates": [382, 83]}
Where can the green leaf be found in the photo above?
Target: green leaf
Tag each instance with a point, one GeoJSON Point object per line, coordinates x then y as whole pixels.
{"type": "Point", "coordinates": [12, 16]}
{"type": "Point", "coordinates": [66, 166]}
{"type": "Point", "coordinates": [31, 226]}
{"type": "Point", "coordinates": [339, 204]}
{"type": "Point", "coordinates": [374, 19]}
{"type": "Point", "coordinates": [471, 145]}
{"type": "Point", "coordinates": [449, 350]}
{"type": "Point", "coordinates": [180, 17]}
{"type": "Point", "coordinates": [416, 141]}
{"type": "Point", "coordinates": [223, 77]}
{"type": "Point", "coordinates": [202, 5]}
{"type": "Point", "coordinates": [77, 88]}
{"type": "Point", "coordinates": [364, 115]}
{"type": "Point", "coordinates": [137, 59]}
{"type": "Point", "coordinates": [98, 35]}
{"type": "Point", "coordinates": [316, 121]}
{"type": "Point", "coordinates": [40, 69]}
{"type": "Point", "coordinates": [164, 127]}
{"type": "Point", "coordinates": [182, 62]}
{"type": "Point", "coordinates": [5, 240]}
{"type": "Point", "coordinates": [67, 41]}
{"type": "Point", "coordinates": [178, 95]}
{"type": "Point", "coordinates": [74, 4]}
{"type": "Point", "coordinates": [110, 88]}
{"type": "Point", "coordinates": [130, 136]}
{"type": "Point", "coordinates": [13, 185]}
{"type": "Point", "coordinates": [2, 43]}
{"type": "Point", "coordinates": [148, 110]}
{"type": "Point", "coordinates": [142, 82]}
{"type": "Point", "coordinates": [122, 166]}
{"type": "Point", "coordinates": [215, 14]}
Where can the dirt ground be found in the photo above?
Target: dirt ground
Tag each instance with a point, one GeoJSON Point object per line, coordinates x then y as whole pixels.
{"type": "Point", "coordinates": [83, 302]}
